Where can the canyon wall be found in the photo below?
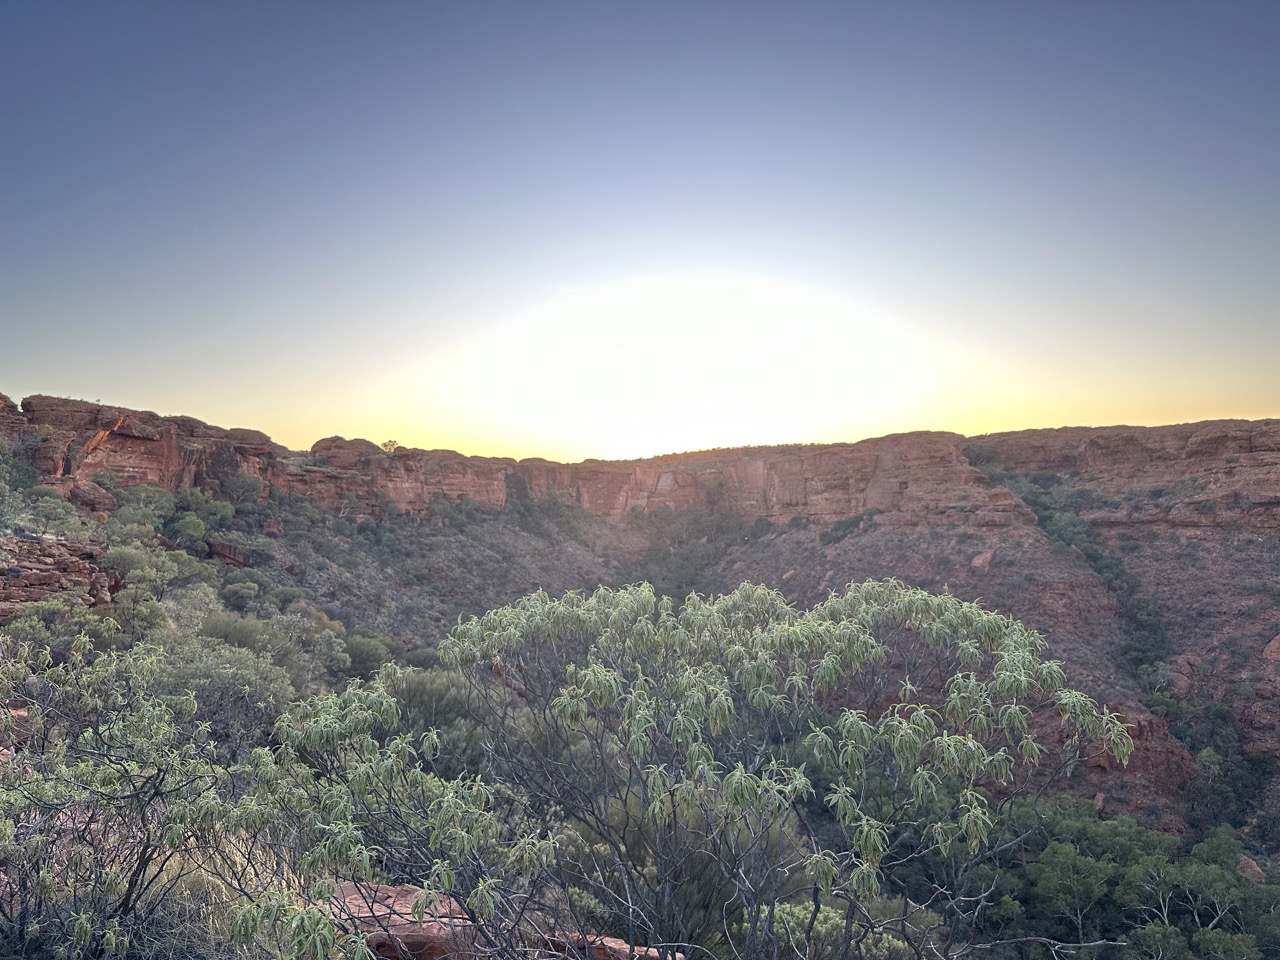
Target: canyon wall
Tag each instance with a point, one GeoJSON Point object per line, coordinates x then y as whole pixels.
{"type": "Point", "coordinates": [1180, 527]}
{"type": "Point", "coordinates": [909, 479]}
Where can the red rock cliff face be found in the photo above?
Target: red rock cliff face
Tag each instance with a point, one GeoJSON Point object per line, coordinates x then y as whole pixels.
{"type": "Point", "coordinates": [1219, 472]}
{"type": "Point", "coordinates": [920, 475]}
{"type": "Point", "coordinates": [1222, 472]}
{"type": "Point", "coordinates": [1190, 512]}
{"type": "Point", "coordinates": [72, 438]}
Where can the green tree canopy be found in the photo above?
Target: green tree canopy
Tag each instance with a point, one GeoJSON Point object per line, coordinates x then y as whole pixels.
{"type": "Point", "coordinates": [680, 744]}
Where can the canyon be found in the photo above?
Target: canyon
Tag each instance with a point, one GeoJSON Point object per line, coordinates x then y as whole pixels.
{"type": "Point", "coordinates": [1101, 538]}
{"type": "Point", "coordinates": [916, 478]}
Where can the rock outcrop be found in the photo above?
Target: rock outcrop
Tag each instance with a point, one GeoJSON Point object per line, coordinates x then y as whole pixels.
{"type": "Point", "coordinates": [1219, 472]}
{"type": "Point", "coordinates": [79, 440]}
{"type": "Point", "coordinates": [386, 916]}
{"type": "Point", "coordinates": [917, 477]}
{"type": "Point", "coordinates": [32, 570]}
{"type": "Point", "coordinates": [1181, 525]}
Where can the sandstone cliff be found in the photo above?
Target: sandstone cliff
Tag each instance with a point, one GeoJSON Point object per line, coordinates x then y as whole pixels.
{"type": "Point", "coordinates": [913, 479]}
{"type": "Point", "coordinates": [1184, 519]}
{"type": "Point", "coordinates": [918, 477]}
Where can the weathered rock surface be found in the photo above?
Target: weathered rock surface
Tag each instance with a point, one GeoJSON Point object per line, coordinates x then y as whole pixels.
{"type": "Point", "coordinates": [32, 570]}
{"type": "Point", "coordinates": [12, 422]}
{"type": "Point", "coordinates": [1217, 473]}
{"type": "Point", "coordinates": [920, 477]}
{"type": "Point", "coordinates": [1185, 517]}
{"type": "Point", "coordinates": [80, 440]}
{"type": "Point", "coordinates": [228, 552]}
{"type": "Point", "coordinates": [385, 914]}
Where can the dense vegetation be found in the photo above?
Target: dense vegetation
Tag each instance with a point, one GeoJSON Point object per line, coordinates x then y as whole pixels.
{"type": "Point", "coordinates": [724, 776]}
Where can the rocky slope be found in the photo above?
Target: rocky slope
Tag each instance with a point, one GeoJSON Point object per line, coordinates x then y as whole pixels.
{"type": "Point", "coordinates": [922, 476]}
{"type": "Point", "coordinates": [32, 570]}
{"type": "Point", "coordinates": [918, 478]}
{"type": "Point", "coordinates": [1147, 556]}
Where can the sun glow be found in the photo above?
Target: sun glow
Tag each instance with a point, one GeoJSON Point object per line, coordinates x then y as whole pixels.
{"type": "Point", "coordinates": [649, 366]}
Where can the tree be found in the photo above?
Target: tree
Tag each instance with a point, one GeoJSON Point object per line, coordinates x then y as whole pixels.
{"type": "Point", "coordinates": [110, 811]}
{"type": "Point", "coordinates": [214, 514]}
{"type": "Point", "coordinates": [242, 488]}
{"type": "Point", "coordinates": [10, 500]}
{"type": "Point", "coordinates": [342, 798]}
{"type": "Point", "coordinates": [10, 506]}
{"type": "Point", "coordinates": [679, 748]}
{"type": "Point", "coordinates": [238, 694]}
{"type": "Point", "coordinates": [188, 529]}
{"type": "Point", "coordinates": [52, 515]}
{"type": "Point", "coordinates": [57, 621]}
{"type": "Point", "coordinates": [1070, 884]}
{"type": "Point", "coordinates": [1138, 889]}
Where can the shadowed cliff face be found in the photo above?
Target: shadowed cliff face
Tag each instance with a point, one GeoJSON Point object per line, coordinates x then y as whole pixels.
{"type": "Point", "coordinates": [923, 477]}
{"type": "Point", "coordinates": [908, 480]}
{"type": "Point", "coordinates": [1147, 556]}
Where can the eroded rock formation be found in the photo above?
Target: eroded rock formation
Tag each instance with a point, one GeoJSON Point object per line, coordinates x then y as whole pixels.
{"type": "Point", "coordinates": [32, 570]}
{"type": "Point", "coordinates": [1185, 518]}
{"type": "Point", "coordinates": [385, 914]}
{"type": "Point", "coordinates": [911, 479]}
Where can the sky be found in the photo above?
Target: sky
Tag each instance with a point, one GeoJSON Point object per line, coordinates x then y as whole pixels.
{"type": "Point", "coordinates": [615, 230]}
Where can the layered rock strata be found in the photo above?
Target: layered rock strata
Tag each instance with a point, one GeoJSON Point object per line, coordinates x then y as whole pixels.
{"type": "Point", "coordinates": [32, 570]}
{"type": "Point", "coordinates": [909, 479]}
{"type": "Point", "coordinates": [1186, 517]}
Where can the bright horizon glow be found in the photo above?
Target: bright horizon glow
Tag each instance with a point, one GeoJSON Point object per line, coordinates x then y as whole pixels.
{"type": "Point", "coordinates": [648, 366]}
{"type": "Point", "coordinates": [576, 230]}
{"type": "Point", "coordinates": [667, 364]}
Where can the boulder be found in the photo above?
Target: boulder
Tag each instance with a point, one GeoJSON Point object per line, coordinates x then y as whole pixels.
{"type": "Point", "coordinates": [87, 494]}
{"type": "Point", "coordinates": [386, 915]}
{"type": "Point", "coordinates": [229, 553]}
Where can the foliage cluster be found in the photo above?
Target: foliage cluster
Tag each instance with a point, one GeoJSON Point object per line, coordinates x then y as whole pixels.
{"type": "Point", "coordinates": [684, 544]}
{"type": "Point", "coordinates": [651, 770]}
{"type": "Point", "coordinates": [727, 777]}
{"type": "Point", "coordinates": [1079, 878]}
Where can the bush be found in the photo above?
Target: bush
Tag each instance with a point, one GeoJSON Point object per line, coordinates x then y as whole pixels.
{"type": "Point", "coordinates": [110, 810]}
{"type": "Point", "coordinates": [668, 740]}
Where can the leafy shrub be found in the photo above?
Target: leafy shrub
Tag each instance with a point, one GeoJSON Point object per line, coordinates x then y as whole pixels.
{"type": "Point", "coordinates": [109, 811]}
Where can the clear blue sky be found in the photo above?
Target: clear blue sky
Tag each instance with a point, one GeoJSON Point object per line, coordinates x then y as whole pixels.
{"type": "Point", "coordinates": [616, 229]}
